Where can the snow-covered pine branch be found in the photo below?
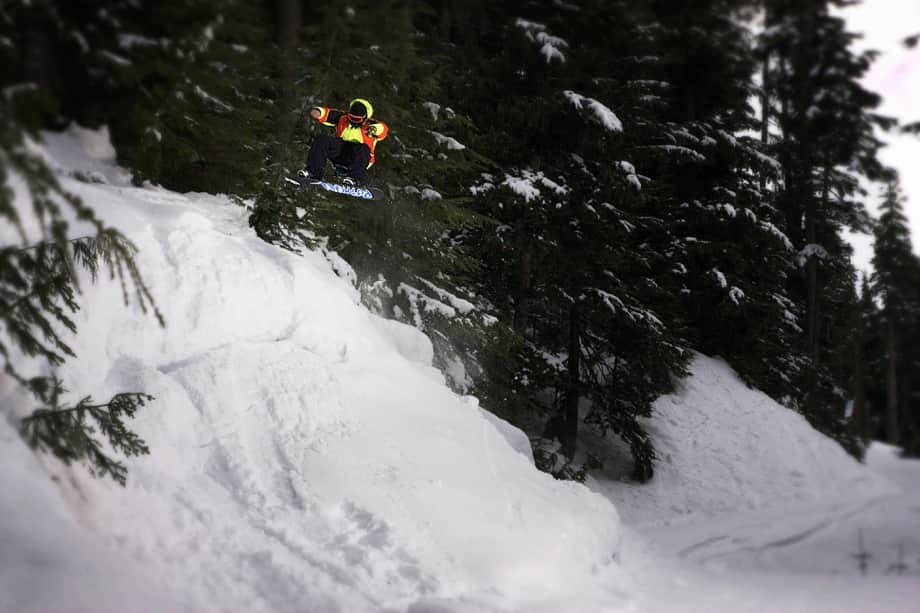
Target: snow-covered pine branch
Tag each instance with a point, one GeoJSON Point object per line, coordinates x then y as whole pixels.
{"type": "Point", "coordinates": [450, 142]}
{"type": "Point", "coordinates": [600, 112]}
{"type": "Point", "coordinates": [550, 46]}
{"type": "Point", "coordinates": [529, 185]}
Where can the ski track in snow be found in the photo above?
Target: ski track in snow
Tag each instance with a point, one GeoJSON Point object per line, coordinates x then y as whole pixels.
{"type": "Point", "coordinates": [792, 527]}
{"type": "Point", "coordinates": [796, 557]}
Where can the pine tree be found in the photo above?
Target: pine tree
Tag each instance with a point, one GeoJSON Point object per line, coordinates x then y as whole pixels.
{"type": "Point", "coordinates": [561, 188]}
{"type": "Point", "coordinates": [896, 281]}
{"type": "Point", "coordinates": [195, 102]}
{"type": "Point", "coordinates": [180, 83]}
{"type": "Point", "coordinates": [826, 143]}
{"type": "Point", "coordinates": [864, 348]}
{"type": "Point", "coordinates": [728, 238]}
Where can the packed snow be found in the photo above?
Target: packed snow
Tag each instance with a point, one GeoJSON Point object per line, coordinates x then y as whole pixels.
{"type": "Point", "coordinates": [305, 455]}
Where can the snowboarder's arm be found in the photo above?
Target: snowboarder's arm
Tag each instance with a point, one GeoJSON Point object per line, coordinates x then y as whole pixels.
{"type": "Point", "coordinates": [326, 116]}
{"type": "Point", "coordinates": [377, 129]}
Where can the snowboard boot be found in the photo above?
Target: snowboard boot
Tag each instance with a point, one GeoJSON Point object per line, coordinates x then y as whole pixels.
{"type": "Point", "coordinates": [306, 178]}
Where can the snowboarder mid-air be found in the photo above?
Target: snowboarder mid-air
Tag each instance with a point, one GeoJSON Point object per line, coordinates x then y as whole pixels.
{"type": "Point", "coordinates": [351, 150]}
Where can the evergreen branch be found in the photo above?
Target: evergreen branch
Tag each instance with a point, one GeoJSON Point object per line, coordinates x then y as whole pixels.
{"type": "Point", "coordinates": [66, 433]}
{"type": "Point", "coordinates": [38, 288]}
{"type": "Point", "coordinates": [43, 244]}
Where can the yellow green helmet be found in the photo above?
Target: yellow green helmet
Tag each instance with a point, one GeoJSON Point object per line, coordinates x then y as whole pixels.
{"type": "Point", "coordinates": [360, 106]}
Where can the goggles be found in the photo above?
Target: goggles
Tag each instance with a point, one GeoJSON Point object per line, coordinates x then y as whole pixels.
{"type": "Point", "coordinates": [356, 118]}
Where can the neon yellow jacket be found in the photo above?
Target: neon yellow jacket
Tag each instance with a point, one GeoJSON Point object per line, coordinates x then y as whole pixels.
{"type": "Point", "coordinates": [369, 132]}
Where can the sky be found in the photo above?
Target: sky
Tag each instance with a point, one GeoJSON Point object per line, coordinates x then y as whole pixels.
{"type": "Point", "coordinates": [896, 76]}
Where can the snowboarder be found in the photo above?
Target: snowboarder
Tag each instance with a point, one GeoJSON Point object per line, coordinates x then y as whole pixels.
{"type": "Point", "coordinates": [351, 150]}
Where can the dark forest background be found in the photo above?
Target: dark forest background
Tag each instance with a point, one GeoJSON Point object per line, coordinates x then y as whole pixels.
{"type": "Point", "coordinates": [691, 167]}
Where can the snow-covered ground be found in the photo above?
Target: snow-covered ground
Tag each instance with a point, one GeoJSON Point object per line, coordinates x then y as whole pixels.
{"type": "Point", "coordinates": [724, 447]}
{"type": "Point", "coordinates": [794, 557]}
{"type": "Point", "coordinates": [305, 456]}
{"type": "Point", "coordinates": [304, 453]}
{"type": "Point", "coordinates": [750, 509]}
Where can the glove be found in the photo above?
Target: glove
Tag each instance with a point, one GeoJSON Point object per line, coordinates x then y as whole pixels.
{"type": "Point", "coordinates": [371, 130]}
{"type": "Point", "coordinates": [315, 113]}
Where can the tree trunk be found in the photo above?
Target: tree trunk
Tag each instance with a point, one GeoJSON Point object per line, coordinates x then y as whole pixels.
{"type": "Point", "coordinates": [891, 384]}
{"type": "Point", "coordinates": [789, 198]}
{"type": "Point", "coordinates": [765, 114]}
{"type": "Point", "coordinates": [289, 21]}
{"type": "Point", "coordinates": [38, 59]}
{"type": "Point", "coordinates": [573, 385]}
{"type": "Point", "coordinates": [860, 417]}
{"type": "Point", "coordinates": [814, 306]}
{"type": "Point", "coordinates": [813, 321]}
{"type": "Point", "coordinates": [904, 416]}
{"type": "Point", "coordinates": [765, 96]}
{"type": "Point", "coordinates": [525, 283]}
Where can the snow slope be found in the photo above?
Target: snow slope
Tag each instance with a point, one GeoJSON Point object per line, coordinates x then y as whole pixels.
{"type": "Point", "coordinates": [304, 453]}
{"type": "Point", "coordinates": [47, 561]}
{"type": "Point", "coordinates": [752, 510]}
{"type": "Point", "coordinates": [306, 456]}
{"type": "Point", "coordinates": [724, 447]}
{"type": "Point", "coordinates": [799, 557]}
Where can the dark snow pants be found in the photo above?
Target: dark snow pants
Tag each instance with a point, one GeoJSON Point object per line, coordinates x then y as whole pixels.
{"type": "Point", "coordinates": [354, 157]}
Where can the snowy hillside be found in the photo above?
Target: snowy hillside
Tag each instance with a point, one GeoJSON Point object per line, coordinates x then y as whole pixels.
{"type": "Point", "coordinates": [302, 450]}
{"type": "Point", "coordinates": [306, 456]}
{"type": "Point", "coordinates": [725, 447]}
{"type": "Point", "coordinates": [751, 509]}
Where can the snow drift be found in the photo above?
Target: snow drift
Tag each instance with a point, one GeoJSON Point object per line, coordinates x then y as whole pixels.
{"type": "Point", "coordinates": [752, 510]}
{"type": "Point", "coordinates": [304, 453]}
{"type": "Point", "coordinates": [725, 447]}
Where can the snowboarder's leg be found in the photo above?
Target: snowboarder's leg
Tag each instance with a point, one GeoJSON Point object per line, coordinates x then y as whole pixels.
{"type": "Point", "coordinates": [324, 147]}
{"type": "Point", "coordinates": [355, 157]}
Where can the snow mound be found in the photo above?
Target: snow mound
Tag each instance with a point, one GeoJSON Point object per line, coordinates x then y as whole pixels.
{"type": "Point", "coordinates": [87, 155]}
{"type": "Point", "coordinates": [724, 447]}
{"type": "Point", "coordinates": [304, 453]}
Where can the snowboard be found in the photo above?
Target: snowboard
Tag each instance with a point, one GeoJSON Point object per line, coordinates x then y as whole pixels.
{"type": "Point", "coordinates": [355, 191]}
